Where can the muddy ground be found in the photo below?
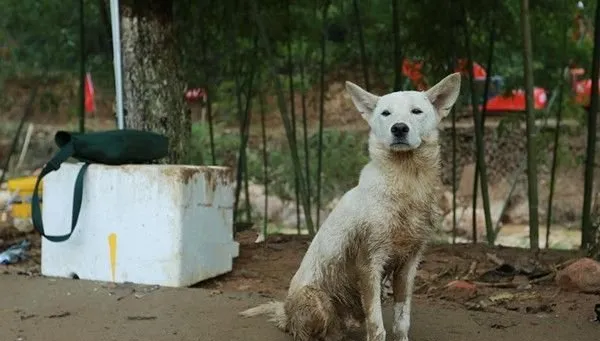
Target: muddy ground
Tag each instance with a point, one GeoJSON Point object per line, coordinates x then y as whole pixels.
{"type": "Point", "coordinates": [502, 307]}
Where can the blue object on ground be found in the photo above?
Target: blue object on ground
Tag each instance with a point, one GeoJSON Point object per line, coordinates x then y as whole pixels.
{"type": "Point", "coordinates": [15, 253]}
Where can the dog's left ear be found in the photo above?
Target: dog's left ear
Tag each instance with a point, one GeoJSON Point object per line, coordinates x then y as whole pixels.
{"type": "Point", "coordinates": [363, 100]}
{"type": "Point", "coordinates": [443, 95]}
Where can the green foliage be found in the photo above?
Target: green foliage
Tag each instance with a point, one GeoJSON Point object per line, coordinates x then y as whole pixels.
{"type": "Point", "coordinates": [218, 51]}
{"type": "Point", "coordinates": [226, 145]}
{"type": "Point", "coordinates": [343, 157]}
{"type": "Point", "coordinates": [216, 38]}
{"type": "Point", "coordinates": [46, 33]}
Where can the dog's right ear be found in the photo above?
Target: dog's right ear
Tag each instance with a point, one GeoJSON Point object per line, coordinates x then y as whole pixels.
{"type": "Point", "coordinates": [444, 94]}
{"type": "Point", "coordinates": [363, 100]}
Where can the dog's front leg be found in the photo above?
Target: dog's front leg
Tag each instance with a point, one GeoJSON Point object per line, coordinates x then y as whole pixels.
{"type": "Point", "coordinates": [404, 276]}
{"type": "Point", "coordinates": [370, 289]}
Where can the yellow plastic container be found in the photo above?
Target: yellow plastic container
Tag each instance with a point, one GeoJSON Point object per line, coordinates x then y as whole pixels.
{"type": "Point", "coordinates": [24, 185]}
{"type": "Point", "coordinates": [21, 210]}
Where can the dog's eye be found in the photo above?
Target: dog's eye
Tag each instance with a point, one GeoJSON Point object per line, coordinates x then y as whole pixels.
{"type": "Point", "coordinates": [385, 113]}
{"type": "Point", "coordinates": [416, 111]}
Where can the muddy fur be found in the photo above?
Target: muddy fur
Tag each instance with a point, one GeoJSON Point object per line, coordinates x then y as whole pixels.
{"type": "Point", "coordinates": [379, 228]}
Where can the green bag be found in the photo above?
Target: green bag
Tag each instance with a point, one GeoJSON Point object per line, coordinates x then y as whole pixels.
{"type": "Point", "coordinates": [115, 147]}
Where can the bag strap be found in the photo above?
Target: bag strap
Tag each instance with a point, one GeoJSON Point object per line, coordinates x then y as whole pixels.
{"type": "Point", "coordinates": [54, 164]}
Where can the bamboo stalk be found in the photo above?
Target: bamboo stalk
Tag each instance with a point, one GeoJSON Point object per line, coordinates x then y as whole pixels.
{"type": "Point", "coordinates": [261, 104]}
{"type": "Point", "coordinates": [532, 179]}
{"type": "Point", "coordinates": [361, 40]}
{"type": "Point", "coordinates": [556, 140]}
{"type": "Point", "coordinates": [321, 111]}
{"type": "Point", "coordinates": [207, 91]}
{"type": "Point", "coordinates": [587, 235]}
{"type": "Point", "coordinates": [479, 142]}
{"type": "Point", "coordinates": [293, 108]}
{"type": "Point", "coordinates": [305, 134]}
{"type": "Point", "coordinates": [25, 146]}
{"type": "Point", "coordinates": [397, 47]}
{"type": "Point", "coordinates": [284, 115]}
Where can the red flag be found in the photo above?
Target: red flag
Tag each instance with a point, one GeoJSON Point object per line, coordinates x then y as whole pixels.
{"type": "Point", "coordinates": [90, 106]}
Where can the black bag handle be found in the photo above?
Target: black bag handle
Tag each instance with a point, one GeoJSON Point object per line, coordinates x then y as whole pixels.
{"type": "Point", "coordinates": [54, 164]}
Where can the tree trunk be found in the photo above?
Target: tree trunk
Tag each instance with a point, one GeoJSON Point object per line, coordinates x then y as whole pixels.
{"type": "Point", "coordinates": [153, 85]}
{"type": "Point", "coordinates": [530, 127]}
{"type": "Point", "coordinates": [587, 230]}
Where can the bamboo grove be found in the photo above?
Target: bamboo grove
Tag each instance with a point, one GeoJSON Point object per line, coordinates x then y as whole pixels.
{"type": "Point", "coordinates": [255, 57]}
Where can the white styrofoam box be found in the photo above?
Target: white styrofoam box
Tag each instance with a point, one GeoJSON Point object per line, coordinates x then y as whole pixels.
{"type": "Point", "coordinates": [173, 224]}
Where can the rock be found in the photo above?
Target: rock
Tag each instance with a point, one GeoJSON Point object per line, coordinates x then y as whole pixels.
{"type": "Point", "coordinates": [23, 225]}
{"type": "Point", "coordinates": [496, 210]}
{"type": "Point", "coordinates": [518, 214]}
{"type": "Point", "coordinates": [289, 218]}
{"type": "Point", "coordinates": [517, 211]}
{"type": "Point", "coordinates": [6, 224]}
{"type": "Point", "coordinates": [4, 198]}
{"type": "Point", "coordinates": [288, 215]}
{"type": "Point", "coordinates": [257, 202]}
{"type": "Point", "coordinates": [467, 177]}
{"type": "Point", "coordinates": [465, 223]}
{"type": "Point", "coordinates": [260, 238]}
{"type": "Point", "coordinates": [275, 206]}
{"type": "Point", "coordinates": [445, 203]}
{"type": "Point", "coordinates": [461, 289]}
{"type": "Point", "coordinates": [582, 275]}
{"type": "Point", "coordinates": [332, 204]}
{"type": "Point", "coordinates": [522, 282]}
{"type": "Point", "coordinates": [539, 307]}
{"type": "Point", "coordinates": [447, 223]}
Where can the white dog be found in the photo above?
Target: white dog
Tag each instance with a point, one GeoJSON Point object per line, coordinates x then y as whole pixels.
{"type": "Point", "coordinates": [379, 227]}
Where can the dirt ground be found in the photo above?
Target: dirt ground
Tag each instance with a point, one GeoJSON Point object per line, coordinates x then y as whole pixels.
{"type": "Point", "coordinates": [502, 307]}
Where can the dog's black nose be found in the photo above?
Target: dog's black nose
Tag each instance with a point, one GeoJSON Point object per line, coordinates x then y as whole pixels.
{"type": "Point", "coordinates": [400, 129]}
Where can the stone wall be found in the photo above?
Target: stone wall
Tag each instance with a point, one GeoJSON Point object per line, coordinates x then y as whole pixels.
{"type": "Point", "coordinates": [505, 152]}
{"type": "Point", "coordinates": [505, 149]}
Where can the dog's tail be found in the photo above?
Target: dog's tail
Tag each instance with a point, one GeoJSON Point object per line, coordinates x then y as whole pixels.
{"type": "Point", "coordinates": [273, 309]}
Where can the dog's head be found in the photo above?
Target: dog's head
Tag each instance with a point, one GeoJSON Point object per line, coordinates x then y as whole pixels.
{"type": "Point", "coordinates": [402, 120]}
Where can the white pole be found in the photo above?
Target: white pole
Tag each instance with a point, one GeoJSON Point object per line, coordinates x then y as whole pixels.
{"type": "Point", "coordinates": [116, 38]}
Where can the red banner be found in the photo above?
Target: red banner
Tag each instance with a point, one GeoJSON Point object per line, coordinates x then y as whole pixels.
{"type": "Point", "coordinates": [90, 105]}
